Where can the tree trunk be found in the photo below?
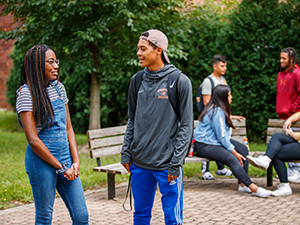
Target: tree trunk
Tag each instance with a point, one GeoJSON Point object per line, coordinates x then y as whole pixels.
{"type": "Point", "coordinates": [95, 118]}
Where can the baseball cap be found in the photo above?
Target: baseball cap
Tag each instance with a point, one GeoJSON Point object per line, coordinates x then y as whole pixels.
{"type": "Point", "coordinates": [159, 39]}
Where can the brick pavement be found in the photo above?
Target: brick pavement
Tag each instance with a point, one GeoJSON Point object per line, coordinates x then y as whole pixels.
{"type": "Point", "coordinates": [205, 202]}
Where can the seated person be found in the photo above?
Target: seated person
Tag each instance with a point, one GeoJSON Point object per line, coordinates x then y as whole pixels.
{"type": "Point", "coordinates": [281, 148]}
{"type": "Point", "coordinates": [212, 140]}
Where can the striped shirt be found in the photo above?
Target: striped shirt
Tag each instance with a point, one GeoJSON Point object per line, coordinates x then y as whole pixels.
{"type": "Point", "coordinates": [24, 101]}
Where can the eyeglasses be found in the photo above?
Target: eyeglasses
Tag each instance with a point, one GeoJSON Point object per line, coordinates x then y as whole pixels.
{"type": "Point", "coordinates": [51, 62]}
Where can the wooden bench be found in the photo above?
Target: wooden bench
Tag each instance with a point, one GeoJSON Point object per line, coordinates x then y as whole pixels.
{"type": "Point", "coordinates": [276, 126]}
{"type": "Point", "coordinates": [105, 142]}
{"type": "Point", "coordinates": [108, 141]}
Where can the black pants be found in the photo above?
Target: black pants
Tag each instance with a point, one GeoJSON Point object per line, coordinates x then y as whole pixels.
{"type": "Point", "coordinates": [219, 154]}
{"type": "Point", "coordinates": [282, 148]}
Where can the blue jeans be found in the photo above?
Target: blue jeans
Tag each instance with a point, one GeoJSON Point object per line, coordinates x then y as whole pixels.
{"type": "Point", "coordinates": [144, 183]}
{"type": "Point", "coordinates": [43, 179]}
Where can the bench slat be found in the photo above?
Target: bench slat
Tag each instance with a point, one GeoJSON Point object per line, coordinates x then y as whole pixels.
{"type": "Point", "coordinates": [106, 142]}
{"type": "Point", "coordinates": [239, 131]}
{"type": "Point", "coordinates": [279, 123]}
{"type": "Point", "coordinates": [104, 132]}
{"type": "Point", "coordinates": [97, 153]}
{"type": "Point", "coordinates": [116, 168]}
{"type": "Point", "coordinates": [273, 130]}
{"type": "Point", "coordinates": [238, 138]}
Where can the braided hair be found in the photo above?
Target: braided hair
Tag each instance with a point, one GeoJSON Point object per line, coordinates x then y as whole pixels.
{"type": "Point", "coordinates": [292, 55]}
{"type": "Point", "coordinates": [33, 74]}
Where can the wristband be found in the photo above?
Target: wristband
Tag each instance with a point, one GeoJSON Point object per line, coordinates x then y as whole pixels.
{"type": "Point", "coordinates": [63, 169]}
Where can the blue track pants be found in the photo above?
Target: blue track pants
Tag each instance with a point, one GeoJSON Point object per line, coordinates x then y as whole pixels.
{"type": "Point", "coordinates": [144, 183]}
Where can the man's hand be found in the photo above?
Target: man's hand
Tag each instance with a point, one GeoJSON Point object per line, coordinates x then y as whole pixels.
{"type": "Point", "coordinates": [171, 178]}
{"type": "Point", "coordinates": [127, 166]}
{"type": "Point", "coordinates": [239, 118]}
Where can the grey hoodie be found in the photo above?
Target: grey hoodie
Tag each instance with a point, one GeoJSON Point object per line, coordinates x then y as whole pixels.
{"type": "Point", "coordinates": [154, 138]}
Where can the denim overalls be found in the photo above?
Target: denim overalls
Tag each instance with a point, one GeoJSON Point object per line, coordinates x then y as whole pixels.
{"type": "Point", "coordinates": [43, 179]}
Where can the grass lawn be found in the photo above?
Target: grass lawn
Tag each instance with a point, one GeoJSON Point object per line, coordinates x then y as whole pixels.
{"type": "Point", "coordinates": [14, 184]}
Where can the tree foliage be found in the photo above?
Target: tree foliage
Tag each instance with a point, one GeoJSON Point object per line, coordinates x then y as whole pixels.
{"type": "Point", "coordinates": [251, 36]}
{"type": "Point", "coordinates": [95, 42]}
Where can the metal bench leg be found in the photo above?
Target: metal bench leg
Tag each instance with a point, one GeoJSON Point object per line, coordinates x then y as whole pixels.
{"type": "Point", "coordinates": [270, 175]}
{"type": "Point", "coordinates": [111, 185]}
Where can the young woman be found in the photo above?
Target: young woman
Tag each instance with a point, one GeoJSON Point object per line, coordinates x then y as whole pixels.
{"type": "Point", "coordinates": [51, 158]}
{"type": "Point", "coordinates": [281, 148]}
{"type": "Point", "coordinates": [212, 140]}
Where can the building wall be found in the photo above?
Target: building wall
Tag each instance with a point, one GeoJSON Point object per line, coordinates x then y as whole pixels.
{"type": "Point", "coordinates": [6, 63]}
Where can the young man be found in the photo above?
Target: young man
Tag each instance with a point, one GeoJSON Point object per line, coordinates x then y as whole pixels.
{"type": "Point", "coordinates": [288, 96]}
{"type": "Point", "coordinates": [219, 64]}
{"type": "Point", "coordinates": [156, 140]}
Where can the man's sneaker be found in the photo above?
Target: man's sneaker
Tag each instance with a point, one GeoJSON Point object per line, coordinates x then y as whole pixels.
{"type": "Point", "coordinates": [262, 162]}
{"type": "Point", "coordinates": [294, 176]}
{"type": "Point", "coordinates": [244, 189]}
{"type": "Point", "coordinates": [282, 190]}
{"type": "Point", "coordinates": [261, 192]}
{"type": "Point", "coordinates": [207, 176]}
{"type": "Point", "coordinates": [224, 172]}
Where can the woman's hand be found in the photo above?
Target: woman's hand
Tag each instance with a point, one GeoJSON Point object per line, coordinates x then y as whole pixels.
{"type": "Point", "coordinates": [70, 174]}
{"type": "Point", "coordinates": [239, 157]}
{"type": "Point", "coordinates": [287, 125]}
{"type": "Point", "coordinates": [75, 167]}
{"type": "Point", "coordinates": [289, 132]}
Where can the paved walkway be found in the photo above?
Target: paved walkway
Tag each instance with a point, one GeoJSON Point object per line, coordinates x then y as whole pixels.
{"type": "Point", "coordinates": [205, 202]}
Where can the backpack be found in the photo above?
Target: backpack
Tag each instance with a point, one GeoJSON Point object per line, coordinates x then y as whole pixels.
{"type": "Point", "coordinates": [199, 96]}
{"type": "Point", "coordinates": [172, 93]}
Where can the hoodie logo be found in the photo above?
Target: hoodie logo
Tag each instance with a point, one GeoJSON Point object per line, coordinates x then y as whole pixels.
{"type": "Point", "coordinates": [163, 93]}
{"type": "Point", "coordinates": [172, 85]}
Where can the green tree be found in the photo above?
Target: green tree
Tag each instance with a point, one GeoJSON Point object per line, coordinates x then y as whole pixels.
{"type": "Point", "coordinates": [95, 41]}
{"type": "Point", "coordinates": [251, 35]}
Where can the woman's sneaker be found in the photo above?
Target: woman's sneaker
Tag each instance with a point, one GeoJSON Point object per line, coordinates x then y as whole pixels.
{"type": "Point", "coordinates": [261, 162]}
{"type": "Point", "coordinates": [283, 189]}
{"type": "Point", "coordinates": [293, 176]}
{"type": "Point", "coordinates": [244, 189]}
{"type": "Point", "coordinates": [261, 192]}
{"type": "Point", "coordinates": [207, 176]}
{"type": "Point", "coordinates": [224, 172]}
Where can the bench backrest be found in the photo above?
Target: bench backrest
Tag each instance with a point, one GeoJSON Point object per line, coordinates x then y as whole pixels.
{"type": "Point", "coordinates": [108, 141]}
{"type": "Point", "coordinates": [276, 125]}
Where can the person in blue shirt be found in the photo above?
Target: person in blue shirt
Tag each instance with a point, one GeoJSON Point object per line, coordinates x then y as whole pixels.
{"type": "Point", "coordinates": [212, 140]}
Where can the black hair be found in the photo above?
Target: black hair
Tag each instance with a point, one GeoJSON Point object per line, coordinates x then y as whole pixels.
{"type": "Point", "coordinates": [218, 58]}
{"type": "Point", "coordinates": [33, 74]}
{"type": "Point", "coordinates": [219, 98]}
{"type": "Point", "coordinates": [146, 34]}
{"type": "Point", "coordinates": [292, 55]}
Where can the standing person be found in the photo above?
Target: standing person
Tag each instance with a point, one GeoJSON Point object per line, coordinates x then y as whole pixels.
{"type": "Point", "coordinates": [212, 140]}
{"type": "Point", "coordinates": [219, 64]}
{"type": "Point", "coordinates": [156, 140]}
{"type": "Point", "coordinates": [51, 158]}
{"type": "Point", "coordinates": [288, 96]}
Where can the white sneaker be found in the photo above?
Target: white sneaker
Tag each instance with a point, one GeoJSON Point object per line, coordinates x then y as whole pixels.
{"type": "Point", "coordinates": [294, 176]}
{"type": "Point", "coordinates": [262, 162]}
{"type": "Point", "coordinates": [224, 172]}
{"type": "Point", "coordinates": [244, 189]}
{"type": "Point", "coordinates": [283, 189]}
{"type": "Point", "coordinates": [261, 192]}
{"type": "Point", "coordinates": [208, 176]}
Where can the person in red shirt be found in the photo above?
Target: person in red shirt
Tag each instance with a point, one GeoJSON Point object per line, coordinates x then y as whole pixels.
{"type": "Point", "coordinates": [288, 84]}
{"type": "Point", "coordinates": [288, 96]}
